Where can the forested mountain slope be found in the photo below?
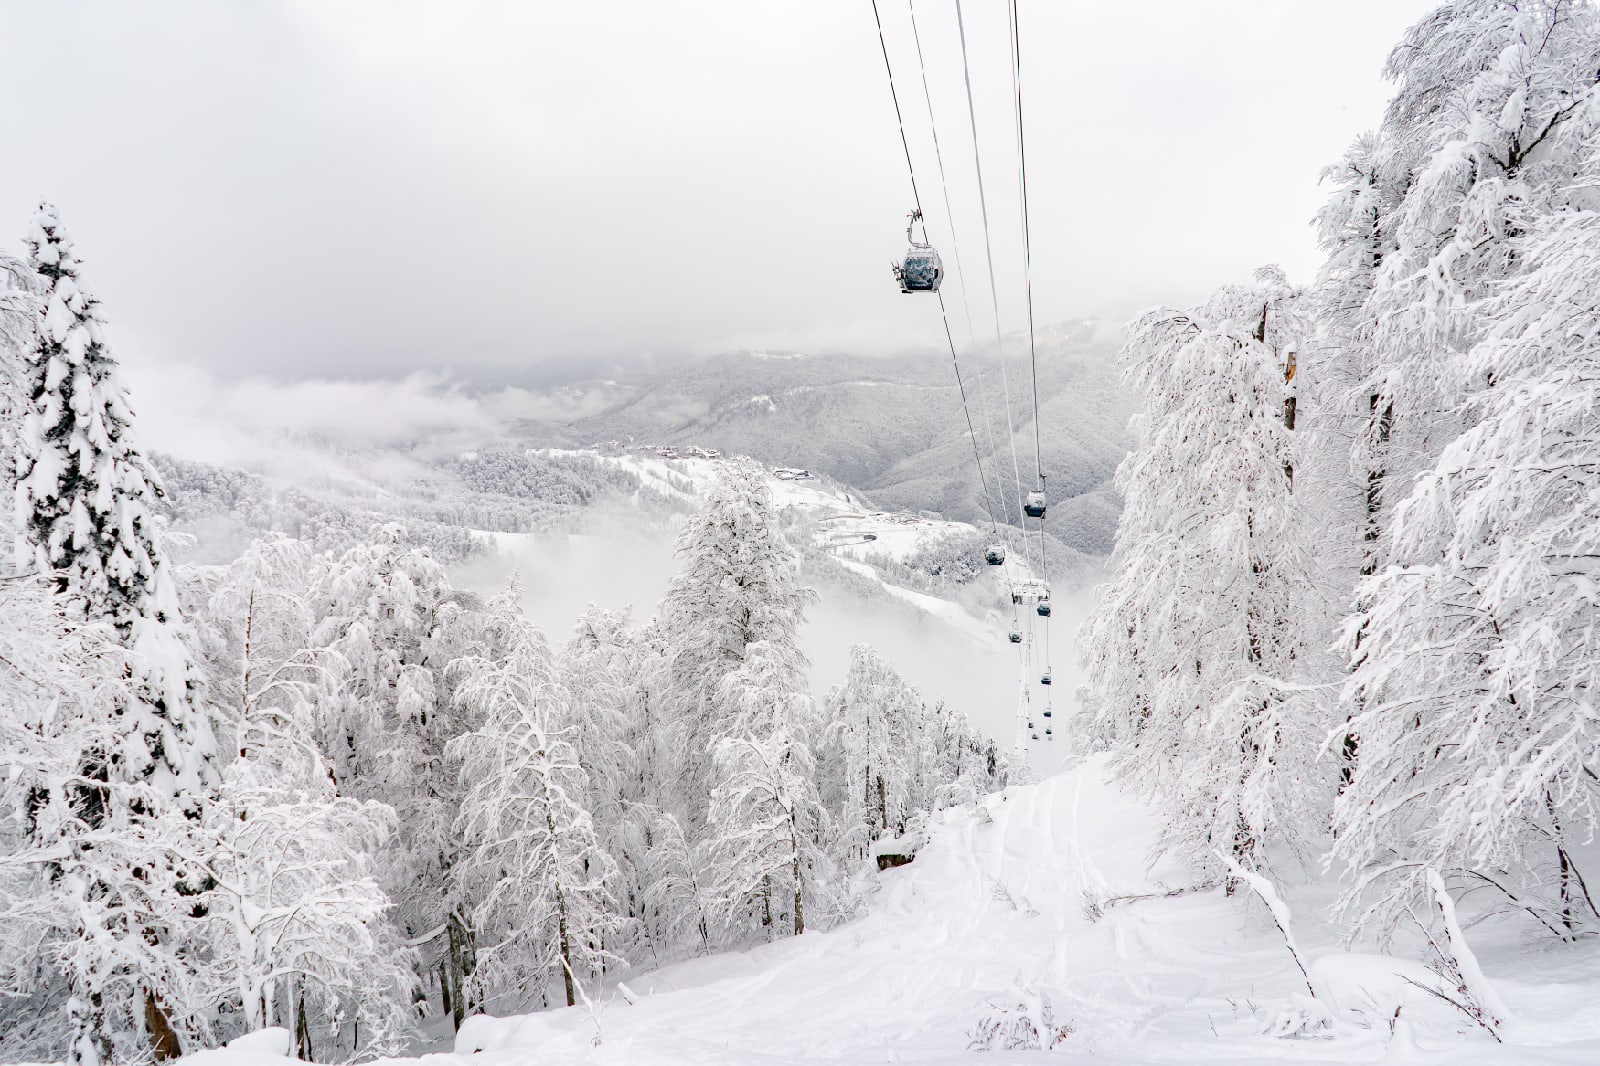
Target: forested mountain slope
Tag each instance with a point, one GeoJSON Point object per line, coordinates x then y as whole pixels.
{"type": "Point", "coordinates": [895, 427]}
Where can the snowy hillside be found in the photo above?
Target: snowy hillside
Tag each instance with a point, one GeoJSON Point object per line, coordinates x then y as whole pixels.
{"type": "Point", "coordinates": [1043, 898]}
{"type": "Point", "coordinates": [870, 567]}
{"type": "Point", "coordinates": [894, 427]}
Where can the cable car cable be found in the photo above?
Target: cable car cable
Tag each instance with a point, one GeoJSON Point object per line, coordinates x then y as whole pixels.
{"type": "Point", "coordinates": [961, 276]}
{"type": "Point", "coordinates": [916, 196]}
{"type": "Point", "coordinates": [994, 296]}
{"type": "Point", "coordinates": [1027, 278]}
{"type": "Point", "coordinates": [1027, 242]}
{"type": "Point", "coordinates": [944, 186]}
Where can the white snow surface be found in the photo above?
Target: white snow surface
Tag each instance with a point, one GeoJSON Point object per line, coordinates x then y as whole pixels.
{"type": "Point", "coordinates": [995, 905]}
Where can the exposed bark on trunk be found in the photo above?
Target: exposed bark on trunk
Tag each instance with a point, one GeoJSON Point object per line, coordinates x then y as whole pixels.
{"type": "Point", "coordinates": [302, 1029]}
{"type": "Point", "coordinates": [163, 1038]}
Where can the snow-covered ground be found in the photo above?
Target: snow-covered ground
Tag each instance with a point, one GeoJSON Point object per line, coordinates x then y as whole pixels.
{"type": "Point", "coordinates": [1027, 895]}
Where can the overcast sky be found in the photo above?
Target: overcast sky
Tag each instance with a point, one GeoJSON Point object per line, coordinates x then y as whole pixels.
{"type": "Point", "coordinates": [503, 192]}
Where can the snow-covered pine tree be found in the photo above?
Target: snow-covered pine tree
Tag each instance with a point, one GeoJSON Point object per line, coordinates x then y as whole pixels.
{"type": "Point", "coordinates": [738, 583]}
{"type": "Point", "coordinates": [1193, 648]}
{"type": "Point", "coordinates": [1479, 664]}
{"type": "Point", "coordinates": [766, 845]}
{"type": "Point", "coordinates": [533, 859]}
{"type": "Point", "coordinates": [85, 507]}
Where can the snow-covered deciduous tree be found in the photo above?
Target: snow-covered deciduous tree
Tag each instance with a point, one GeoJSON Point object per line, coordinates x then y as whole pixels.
{"type": "Point", "coordinates": [875, 724]}
{"type": "Point", "coordinates": [389, 623]}
{"type": "Point", "coordinates": [738, 583]}
{"type": "Point", "coordinates": [1193, 649]}
{"type": "Point", "coordinates": [60, 681]}
{"type": "Point", "coordinates": [1479, 664]}
{"type": "Point", "coordinates": [300, 932]}
{"type": "Point", "coordinates": [1464, 638]}
{"type": "Point", "coordinates": [534, 861]}
{"type": "Point", "coordinates": [297, 924]}
{"type": "Point", "coordinates": [767, 830]}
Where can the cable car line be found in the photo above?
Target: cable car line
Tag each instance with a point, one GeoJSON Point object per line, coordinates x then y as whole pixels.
{"type": "Point", "coordinates": [916, 196]}
{"type": "Point", "coordinates": [938, 155]}
{"type": "Point", "coordinates": [994, 294]}
{"type": "Point", "coordinates": [1027, 242]}
{"type": "Point", "coordinates": [922, 272]}
{"type": "Point", "coordinates": [1027, 279]}
{"type": "Point", "coordinates": [961, 276]}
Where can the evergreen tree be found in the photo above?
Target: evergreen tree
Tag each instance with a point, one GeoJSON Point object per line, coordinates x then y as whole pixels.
{"type": "Point", "coordinates": [85, 503]}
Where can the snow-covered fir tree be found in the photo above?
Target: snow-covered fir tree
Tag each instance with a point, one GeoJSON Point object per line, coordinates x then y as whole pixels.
{"type": "Point", "coordinates": [1194, 647]}
{"type": "Point", "coordinates": [85, 511]}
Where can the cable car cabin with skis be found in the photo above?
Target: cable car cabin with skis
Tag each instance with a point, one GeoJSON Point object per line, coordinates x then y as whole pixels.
{"type": "Point", "coordinates": [921, 270]}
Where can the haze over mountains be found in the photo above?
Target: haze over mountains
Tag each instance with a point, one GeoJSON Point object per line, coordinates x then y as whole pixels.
{"type": "Point", "coordinates": [893, 428]}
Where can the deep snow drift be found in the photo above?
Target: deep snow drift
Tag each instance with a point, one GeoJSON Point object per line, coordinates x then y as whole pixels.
{"type": "Point", "coordinates": [1027, 895]}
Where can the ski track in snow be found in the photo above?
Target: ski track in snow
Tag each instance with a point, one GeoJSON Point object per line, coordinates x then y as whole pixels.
{"type": "Point", "coordinates": [995, 902]}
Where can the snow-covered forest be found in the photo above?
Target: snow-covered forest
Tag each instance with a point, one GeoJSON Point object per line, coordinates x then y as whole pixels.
{"type": "Point", "coordinates": [271, 774]}
{"type": "Point", "coordinates": [317, 788]}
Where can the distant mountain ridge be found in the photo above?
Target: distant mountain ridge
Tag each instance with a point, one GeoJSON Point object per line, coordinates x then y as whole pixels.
{"type": "Point", "coordinates": [894, 427]}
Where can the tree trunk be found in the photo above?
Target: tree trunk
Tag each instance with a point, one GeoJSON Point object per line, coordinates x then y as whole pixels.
{"type": "Point", "coordinates": [566, 955]}
{"type": "Point", "coordinates": [302, 1028]}
{"type": "Point", "coordinates": [1376, 472]}
{"type": "Point", "coordinates": [163, 1038]}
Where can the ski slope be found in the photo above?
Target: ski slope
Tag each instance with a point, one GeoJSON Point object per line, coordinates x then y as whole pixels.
{"type": "Point", "coordinates": [949, 649]}
{"type": "Point", "coordinates": [1028, 894]}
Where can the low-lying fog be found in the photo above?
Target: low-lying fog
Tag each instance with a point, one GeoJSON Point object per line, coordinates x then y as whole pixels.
{"type": "Point", "coordinates": [618, 560]}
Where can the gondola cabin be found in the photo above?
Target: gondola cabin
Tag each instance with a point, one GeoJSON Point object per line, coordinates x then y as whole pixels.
{"type": "Point", "coordinates": [994, 554]}
{"type": "Point", "coordinates": [1043, 608]}
{"type": "Point", "coordinates": [921, 270]}
{"type": "Point", "coordinates": [1045, 680]}
{"type": "Point", "coordinates": [1016, 636]}
{"type": "Point", "coordinates": [1034, 505]}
